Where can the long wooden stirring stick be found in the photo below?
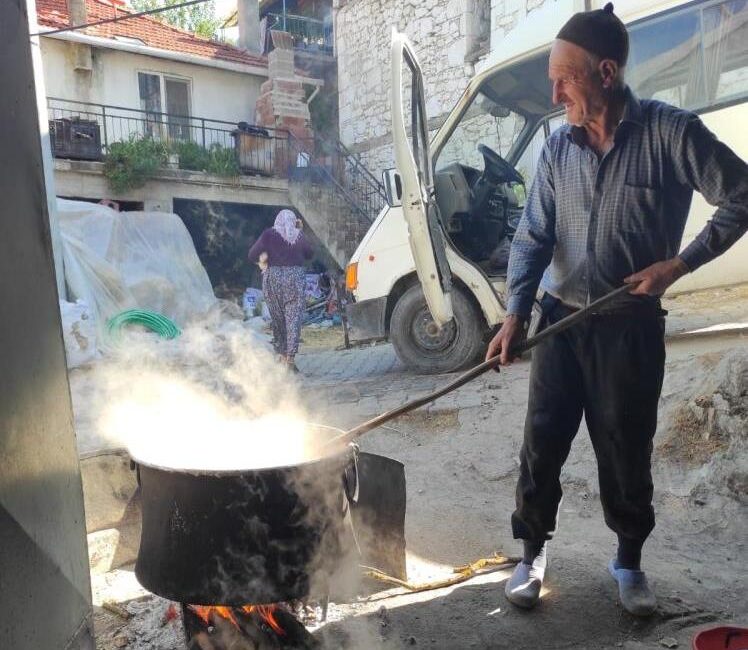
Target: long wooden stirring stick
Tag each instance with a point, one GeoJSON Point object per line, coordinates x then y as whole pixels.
{"type": "Point", "coordinates": [560, 326]}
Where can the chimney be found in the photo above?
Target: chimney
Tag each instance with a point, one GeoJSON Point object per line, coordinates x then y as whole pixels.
{"type": "Point", "coordinates": [77, 12]}
{"type": "Point", "coordinates": [82, 53]}
{"type": "Point", "coordinates": [248, 18]}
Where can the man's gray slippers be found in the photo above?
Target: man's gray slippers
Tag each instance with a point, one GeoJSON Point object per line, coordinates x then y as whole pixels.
{"type": "Point", "coordinates": [523, 587]}
{"type": "Point", "coordinates": [636, 596]}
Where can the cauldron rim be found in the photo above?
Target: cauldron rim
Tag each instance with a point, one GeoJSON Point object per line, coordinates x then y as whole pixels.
{"type": "Point", "coordinates": [339, 453]}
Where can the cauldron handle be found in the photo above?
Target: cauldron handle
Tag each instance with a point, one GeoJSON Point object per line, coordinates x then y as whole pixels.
{"type": "Point", "coordinates": [135, 468]}
{"type": "Point", "coordinates": [350, 476]}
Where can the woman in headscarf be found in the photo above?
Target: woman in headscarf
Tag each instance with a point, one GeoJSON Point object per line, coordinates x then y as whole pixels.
{"type": "Point", "coordinates": [284, 249]}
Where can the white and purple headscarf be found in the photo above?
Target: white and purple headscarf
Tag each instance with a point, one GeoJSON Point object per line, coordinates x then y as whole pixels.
{"type": "Point", "coordinates": [285, 226]}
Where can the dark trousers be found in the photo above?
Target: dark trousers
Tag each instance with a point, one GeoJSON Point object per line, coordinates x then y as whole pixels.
{"type": "Point", "coordinates": [609, 368]}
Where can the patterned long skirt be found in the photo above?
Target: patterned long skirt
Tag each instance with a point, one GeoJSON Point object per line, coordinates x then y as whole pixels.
{"type": "Point", "coordinates": [284, 293]}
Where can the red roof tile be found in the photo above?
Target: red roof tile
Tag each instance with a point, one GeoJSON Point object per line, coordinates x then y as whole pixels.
{"type": "Point", "coordinates": [153, 33]}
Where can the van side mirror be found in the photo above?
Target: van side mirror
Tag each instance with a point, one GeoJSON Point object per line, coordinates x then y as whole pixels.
{"type": "Point", "coordinates": [393, 187]}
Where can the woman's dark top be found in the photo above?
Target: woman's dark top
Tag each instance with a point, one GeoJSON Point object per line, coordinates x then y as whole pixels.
{"type": "Point", "coordinates": [280, 252]}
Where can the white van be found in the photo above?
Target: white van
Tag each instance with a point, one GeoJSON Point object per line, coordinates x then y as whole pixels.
{"type": "Point", "coordinates": [430, 273]}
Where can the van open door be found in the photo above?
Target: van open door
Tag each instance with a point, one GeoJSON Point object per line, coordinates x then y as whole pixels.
{"type": "Point", "coordinates": [413, 161]}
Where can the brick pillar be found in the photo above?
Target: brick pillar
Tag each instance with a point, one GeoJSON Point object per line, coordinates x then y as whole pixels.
{"type": "Point", "coordinates": [281, 102]}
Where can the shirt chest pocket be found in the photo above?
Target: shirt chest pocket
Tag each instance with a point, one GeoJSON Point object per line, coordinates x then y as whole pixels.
{"type": "Point", "coordinates": [641, 206]}
{"type": "Point", "coordinates": [639, 174]}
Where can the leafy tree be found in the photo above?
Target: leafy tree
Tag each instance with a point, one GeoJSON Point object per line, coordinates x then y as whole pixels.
{"type": "Point", "coordinates": [200, 18]}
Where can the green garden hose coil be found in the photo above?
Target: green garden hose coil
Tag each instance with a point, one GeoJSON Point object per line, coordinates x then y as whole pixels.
{"type": "Point", "coordinates": [161, 325]}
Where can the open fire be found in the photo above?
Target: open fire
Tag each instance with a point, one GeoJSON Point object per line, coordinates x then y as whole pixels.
{"type": "Point", "coordinates": [250, 627]}
{"type": "Point", "coordinates": [264, 612]}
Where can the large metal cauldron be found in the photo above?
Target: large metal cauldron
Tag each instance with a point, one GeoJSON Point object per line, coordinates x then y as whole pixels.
{"type": "Point", "coordinates": [239, 537]}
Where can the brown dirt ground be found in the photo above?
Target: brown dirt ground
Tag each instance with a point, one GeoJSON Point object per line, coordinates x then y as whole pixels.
{"type": "Point", "coordinates": [461, 469]}
{"type": "Point", "coordinates": [323, 338]}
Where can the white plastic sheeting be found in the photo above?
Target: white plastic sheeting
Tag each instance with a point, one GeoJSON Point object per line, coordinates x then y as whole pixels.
{"type": "Point", "coordinates": [132, 260]}
{"type": "Point", "coordinates": [79, 333]}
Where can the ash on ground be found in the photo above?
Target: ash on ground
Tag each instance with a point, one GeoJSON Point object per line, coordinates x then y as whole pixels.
{"type": "Point", "coordinates": [152, 626]}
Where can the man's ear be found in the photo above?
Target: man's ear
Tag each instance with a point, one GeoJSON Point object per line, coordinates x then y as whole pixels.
{"type": "Point", "coordinates": [608, 69]}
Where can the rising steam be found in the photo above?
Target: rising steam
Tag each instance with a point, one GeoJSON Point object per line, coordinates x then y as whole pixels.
{"type": "Point", "coordinates": [211, 400]}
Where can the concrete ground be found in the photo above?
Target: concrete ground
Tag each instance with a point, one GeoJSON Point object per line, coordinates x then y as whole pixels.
{"type": "Point", "coordinates": [461, 459]}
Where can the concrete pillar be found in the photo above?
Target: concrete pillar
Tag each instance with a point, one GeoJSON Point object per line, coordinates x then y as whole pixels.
{"type": "Point", "coordinates": [248, 19]}
{"type": "Point", "coordinates": [46, 149]}
{"type": "Point", "coordinates": [82, 54]}
{"type": "Point", "coordinates": [45, 590]}
{"type": "Point", "coordinates": [77, 12]}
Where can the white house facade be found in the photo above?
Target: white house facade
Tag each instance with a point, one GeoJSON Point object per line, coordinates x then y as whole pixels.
{"type": "Point", "coordinates": [140, 78]}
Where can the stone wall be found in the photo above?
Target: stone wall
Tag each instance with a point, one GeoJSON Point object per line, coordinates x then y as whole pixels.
{"type": "Point", "coordinates": [444, 35]}
{"type": "Point", "coordinates": [450, 37]}
{"type": "Point", "coordinates": [506, 15]}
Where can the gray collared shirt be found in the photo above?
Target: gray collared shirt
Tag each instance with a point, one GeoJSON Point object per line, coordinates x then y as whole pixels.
{"type": "Point", "coordinates": [589, 223]}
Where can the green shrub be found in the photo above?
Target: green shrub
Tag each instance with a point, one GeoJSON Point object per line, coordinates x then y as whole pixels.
{"type": "Point", "coordinates": [191, 155]}
{"type": "Point", "coordinates": [129, 164]}
{"type": "Point", "coordinates": [222, 161]}
{"type": "Point", "coordinates": [218, 160]}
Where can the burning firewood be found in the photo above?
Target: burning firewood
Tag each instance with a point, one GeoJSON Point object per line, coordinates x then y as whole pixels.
{"type": "Point", "coordinates": [252, 627]}
{"type": "Point", "coordinates": [201, 641]}
{"type": "Point", "coordinates": [233, 637]}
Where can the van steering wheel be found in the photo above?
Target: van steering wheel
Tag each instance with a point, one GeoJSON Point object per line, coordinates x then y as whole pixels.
{"type": "Point", "coordinates": [496, 169]}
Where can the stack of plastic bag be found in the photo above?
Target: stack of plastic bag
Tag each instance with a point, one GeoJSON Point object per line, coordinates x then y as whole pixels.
{"type": "Point", "coordinates": [132, 260]}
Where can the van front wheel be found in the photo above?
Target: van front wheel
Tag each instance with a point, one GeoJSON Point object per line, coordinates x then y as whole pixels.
{"type": "Point", "coordinates": [427, 349]}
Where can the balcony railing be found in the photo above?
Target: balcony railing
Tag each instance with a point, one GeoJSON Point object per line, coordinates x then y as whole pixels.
{"type": "Point", "coordinates": [309, 34]}
{"type": "Point", "coordinates": [86, 131]}
{"type": "Point", "coordinates": [82, 130]}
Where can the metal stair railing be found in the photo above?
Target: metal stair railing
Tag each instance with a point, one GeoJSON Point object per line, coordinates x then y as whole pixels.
{"type": "Point", "coordinates": [356, 176]}
{"type": "Point", "coordinates": [334, 165]}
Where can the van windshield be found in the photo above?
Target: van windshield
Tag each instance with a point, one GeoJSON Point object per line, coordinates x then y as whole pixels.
{"type": "Point", "coordinates": [499, 113]}
{"type": "Point", "coordinates": [485, 122]}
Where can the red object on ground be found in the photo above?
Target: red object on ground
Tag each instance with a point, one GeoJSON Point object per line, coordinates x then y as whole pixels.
{"type": "Point", "coordinates": [169, 615]}
{"type": "Point", "coordinates": [722, 638]}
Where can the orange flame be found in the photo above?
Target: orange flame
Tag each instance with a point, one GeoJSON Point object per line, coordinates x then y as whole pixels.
{"type": "Point", "coordinates": [265, 612]}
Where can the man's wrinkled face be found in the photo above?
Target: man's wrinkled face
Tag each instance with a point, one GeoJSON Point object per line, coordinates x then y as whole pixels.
{"type": "Point", "coordinates": [576, 82]}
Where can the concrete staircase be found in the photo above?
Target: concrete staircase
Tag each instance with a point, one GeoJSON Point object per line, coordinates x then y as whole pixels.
{"type": "Point", "coordinates": [336, 195]}
{"type": "Point", "coordinates": [333, 220]}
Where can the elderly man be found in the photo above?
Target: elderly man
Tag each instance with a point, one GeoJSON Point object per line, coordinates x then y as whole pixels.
{"type": "Point", "coordinates": [608, 206]}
